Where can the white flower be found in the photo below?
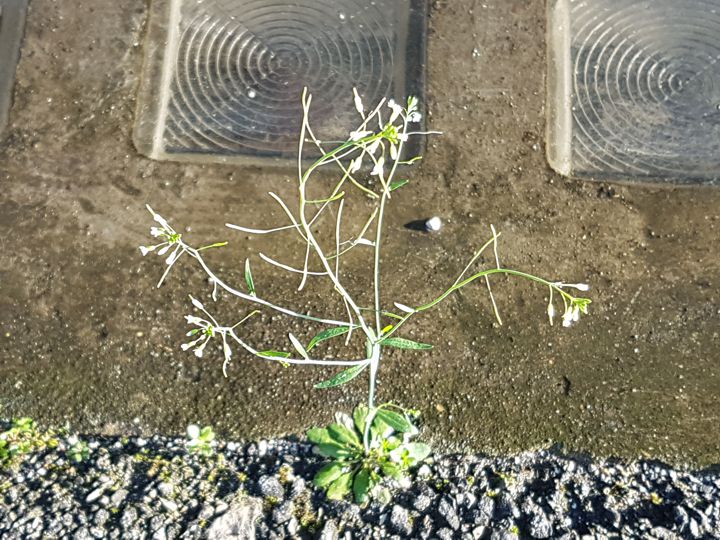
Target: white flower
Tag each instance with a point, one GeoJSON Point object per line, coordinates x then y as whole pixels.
{"type": "Point", "coordinates": [355, 165]}
{"type": "Point", "coordinates": [396, 110]}
{"type": "Point", "coordinates": [374, 146]}
{"type": "Point", "coordinates": [156, 231]}
{"type": "Point", "coordinates": [357, 135]}
{"type": "Point", "coordinates": [378, 169]}
{"type": "Point", "coordinates": [581, 286]}
{"type": "Point", "coordinates": [414, 117]}
{"type": "Point", "coordinates": [146, 249]}
{"type": "Point", "coordinates": [567, 318]}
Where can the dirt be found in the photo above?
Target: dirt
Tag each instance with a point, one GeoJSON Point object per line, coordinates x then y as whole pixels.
{"type": "Point", "coordinates": [88, 340]}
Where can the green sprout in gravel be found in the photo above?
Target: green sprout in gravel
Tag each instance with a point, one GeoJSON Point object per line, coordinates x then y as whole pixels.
{"type": "Point", "coordinates": [200, 441]}
{"type": "Point", "coordinates": [78, 450]}
{"type": "Point", "coordinates": [368, 162]}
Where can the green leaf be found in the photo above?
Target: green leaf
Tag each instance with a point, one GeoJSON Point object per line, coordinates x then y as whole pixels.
{"type": "Point", "coordinates": [319, 436]}
{"type": "Point", "coordinates": [402, 343]}
{"type": "Point", "coordinates": [396, 421]}
{"type": "Point", "coordinates": [418, 451]}
{"type": "Point", "coordinates": [333, 450]}
{"type": "Point", "coordinates": [397, 184]}
{"type": "Point", "coordinates": [360, 415]}
{"type": "Point", "coordinates": [274, 354]}
{"type": "Point", "coordinates": [343, 435]}
{"type": "Point", "coordinates": [342, 377]}
{"type": "Point", "coordinates": [340, 487]}
{"type": "Point", "coordinates": [327, 334]}
{"type": "Point", "coordinates": [298, 346]}
{"type": "Point", "coordinates": [392, 470]}
{"type": "Point", "coordinates": [361, 486]}
{"type": "Point", "coordinates": [328, 474]}
{"type": "Point", "coordinates": [249, 278]}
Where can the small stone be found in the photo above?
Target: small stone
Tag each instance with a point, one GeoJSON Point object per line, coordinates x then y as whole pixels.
{"type": "Point", "coordinates": [118, 498]}
{"type": "Point", "coordinates": [298, 487]}
{"type": "Point", "coordinates": [400, 520]}
{"type": "Point", "coordinates": [165, 489]}
{"type": "Point", "coordinates": [422, 502]}
{"type": "Point", "coordinates": [128, 518]}
{"type": "Point", "coordinates": [168, 505]}
{"type": "Point", "coordinates": [478, 532]}
{"type": "Point", "coordinates": [292, 526]}
{"type": "Point", "coordinates": [270, 486]}
{"type": "Point", "coordinates": [445, 534]}
{"type": "Point", "coordinates": [329, 531]}
{"type": "Point", "coordinates": [82, 534]}
{"type": "Point", "coordinates": [447, 513]}
{"type": "Point", "coordinates": [283, 512]}
{"type": "Point", "coordinates": [95, 494]}
{"type": "Point", "coordinates": [101, 517]}
{"type": "Point", "coordinates": [539, 526]}
{"type": "Point", "coordinates": [262, 448]}
{"type": "Point", "coordinates": [238, 522]}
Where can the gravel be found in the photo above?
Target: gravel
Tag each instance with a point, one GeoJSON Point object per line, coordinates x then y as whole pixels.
{"type": "Point", "coordinates": [152, 488]}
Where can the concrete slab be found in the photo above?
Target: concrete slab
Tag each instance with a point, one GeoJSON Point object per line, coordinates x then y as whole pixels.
{"type": "Point", "coordinates": [87, 339]}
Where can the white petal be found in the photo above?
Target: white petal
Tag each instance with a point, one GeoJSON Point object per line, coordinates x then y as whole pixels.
{"type": "Point", "coordinates": [374, 146]}
{"type": "Point", "coordinates": [414, 117]}
{"type": "Point", "coordinates": [155, 231]}
{"type": "Point", "coordinates": [357, 135]}
{"type": "Point", "coordinates": [355, 165]}
{"type": "Point", "coordinates": [173, 256]}
{"type": "Point", "coordinates": [146, 249]}
{"type": "Point", "coordinates": [393, 151]}
{"type": "Point", "coordinates": [358, 103]}
{"type": "Point", "coordinates": [378, 169]}
{"type": "Point", "coordinates": [403, 307]}
{"type": "Point", "coordinates": [364, 242]}
{"type": "Point", "coordinates": [192, 319]}
{"type": "Point", "coordinates": [581, 287]}
{"type": "Point", "coordinates": [396, 110]}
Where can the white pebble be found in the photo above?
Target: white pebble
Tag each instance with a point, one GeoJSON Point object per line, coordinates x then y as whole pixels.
{"type": "Point", "coordinates": [434, 224]}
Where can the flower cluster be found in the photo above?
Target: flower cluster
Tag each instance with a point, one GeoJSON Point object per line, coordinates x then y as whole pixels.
{"type": "Point", "coordinates": [206, 330]}
{"type": "Point", "coordinates": [573, 305]}
{"type": "Point", "coordinates": [169, 236]}
{"type": "Point", "coordinates": [394, 134]}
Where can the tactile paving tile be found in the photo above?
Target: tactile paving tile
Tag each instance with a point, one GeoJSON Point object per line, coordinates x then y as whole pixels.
{"type": "Point", "coordinates": [12, 24]}
{"type": "Point", "coordinates": [634, 89]}
{"type": "Point", "coordinates": [223, 78]}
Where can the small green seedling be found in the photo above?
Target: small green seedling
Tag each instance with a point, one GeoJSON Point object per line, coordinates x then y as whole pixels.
{"type": "Point", "coordinates": [366, 449]}
{"type": "Point", "coordinates": [78, 450]}
{"type": "Point", "coordinates": [200, 441]}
